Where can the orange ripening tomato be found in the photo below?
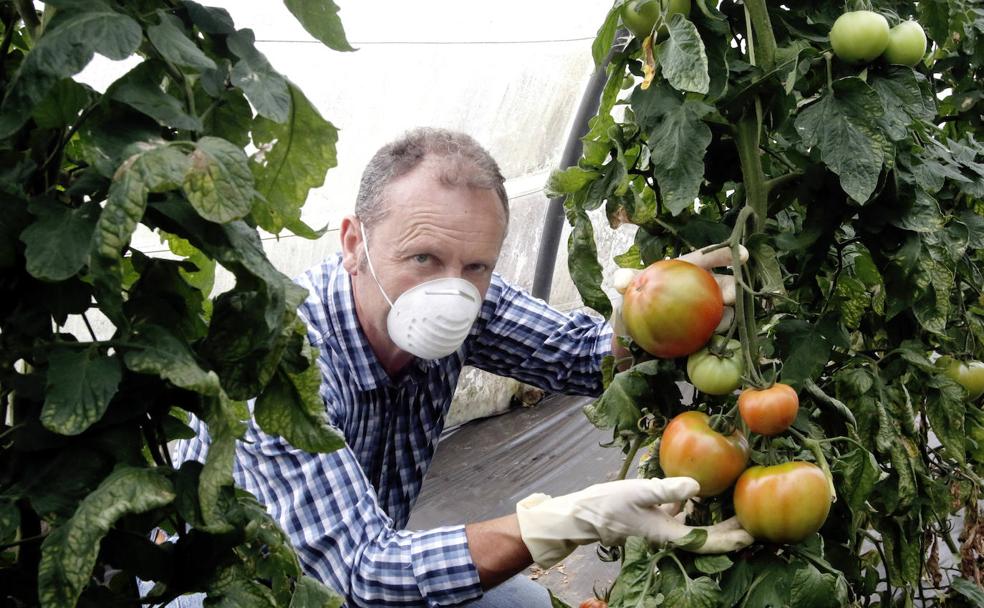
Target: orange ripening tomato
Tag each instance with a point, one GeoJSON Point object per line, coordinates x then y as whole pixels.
{"type": "Point", "coordinates": [784, 503]}
{"type": "Point", "coordinates": [689, 447]}
{"type": "Point", "coordinates": [671, 308]}
{"type": "Point", "coordinates": [768, 411]}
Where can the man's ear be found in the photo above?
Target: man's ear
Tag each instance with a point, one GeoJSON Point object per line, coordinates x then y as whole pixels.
{"type": "Point", "coordinates": [351, 238]}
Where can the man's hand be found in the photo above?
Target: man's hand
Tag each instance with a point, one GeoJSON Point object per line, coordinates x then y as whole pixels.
{"type": "Point", "coordinates": [611, 512]}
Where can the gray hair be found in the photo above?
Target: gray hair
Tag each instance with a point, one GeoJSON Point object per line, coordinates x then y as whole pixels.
{"type": "Point", "coordinates": [463, 162]}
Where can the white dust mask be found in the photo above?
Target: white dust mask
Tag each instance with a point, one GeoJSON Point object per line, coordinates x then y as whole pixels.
{"type": "Point", "coordinates": [432, 319]}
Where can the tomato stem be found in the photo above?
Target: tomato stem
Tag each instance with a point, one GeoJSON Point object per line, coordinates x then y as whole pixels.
{"type": "Point", "coordinates": [814, 446]}
{"type": "Point", "coordinates": [764, 38]}
{"type": "Point", "coordinates": [633, 450]}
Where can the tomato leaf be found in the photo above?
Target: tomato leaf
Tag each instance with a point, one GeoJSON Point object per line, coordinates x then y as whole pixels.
{"type": "Point", "coordinates": [969, 590]}
{"type": "Point", "coordinates": [683, 58]}
{"type": "Point", "coordinates": [606, 35]}
{"type": "Point", "coordinates": [584, 267]}
{"type": "Point", "coordinates": [902, 100]}
{"type": "Point", "coordinates": [811, 588]}
{"type": "Point", "coordinates": [295, 153]}
{"type": "Point", "coordinates": [292, 407]}
{"type": "Point", "coordinates": [617, 407]}
{"type": "Point", "coordinates": [170, 40]}
{"type": "Point", "coordinates": [858, 472]}
{"type": "Point", "coordinates": [701, 592]}
{"type": "Point", "coordinates": [80, 384]}
{"type": "Point", "coordinates": [155, 350]}
{"type": "Point", "coordinates": [712, 564]}
{"type": "Point", "coordinates": [68, 553]}
{"type": "Point", "coordinates": [58, 243]}
{"type": "Point", "coordinates": [265, 88]}
{"type": "Point", "coordinates": [570, 180]}
{"type": "Point", "coordinates": [320, 18]}
{"type": "Point", "coordinates": [945, 408]}
{"type": "Point", "coordinates": [804, 350]}
{"type": "Point", "coordinates": [218, 182]}
{"type": "Point", "coordinates": [693, 540]}
{"type": "Point", "coordinates": [843, 126]}
{"type": "Point", "coordinates": [678, 139]}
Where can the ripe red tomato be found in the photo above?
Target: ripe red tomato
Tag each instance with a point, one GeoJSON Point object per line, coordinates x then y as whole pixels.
{"type": "Point", "coordinates": [691, 448]}
{"type": "Point", "coordinates": [713, 373]}
{"type": "Point", "coordinates": [594, 603]}
{"type": "Point", "coordinates": [768, 411]}
{"type": "Point", "coordinates": [784, 503]}
{"type": "Point", "coordinates": [671, 308]}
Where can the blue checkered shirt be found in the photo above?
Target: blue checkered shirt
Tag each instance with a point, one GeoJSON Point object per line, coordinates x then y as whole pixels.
{"type": "Point", "coordinates": [345, 511]}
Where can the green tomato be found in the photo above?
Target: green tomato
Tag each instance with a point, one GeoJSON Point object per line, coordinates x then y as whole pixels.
{"type": "Point", "coordinates": [968, 374]}
{"type": "Point", "coordinates": [859, 36]}
{"type": "Point", "coordinates": [906, 44]}
{"type": "Point", "coordinates": [713, 373]}
{"type": "Point", "coordinates": [641, 16]}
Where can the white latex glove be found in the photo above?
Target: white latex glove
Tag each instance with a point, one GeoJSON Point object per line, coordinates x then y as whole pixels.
{"type": "Point", "coordinates": [610, 513]}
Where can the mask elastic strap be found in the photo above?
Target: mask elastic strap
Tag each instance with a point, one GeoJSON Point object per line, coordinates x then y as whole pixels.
{"type": "Point", "coordinates": [365, 246]}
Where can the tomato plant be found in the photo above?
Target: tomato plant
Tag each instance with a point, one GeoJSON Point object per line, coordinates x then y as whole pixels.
{"type": "Point", "coordinates": [641, 16]}
{"type": "Point", "coordinates": [969, 374]}
{"type": "Point", "coordinates": [691, 448]}
{"type": "Point", "coordinates": [783, 503]}
{"type": "Point", "coordinates": [769, 411]}
{"type": "Point", "coordinates": [672, 307]}
{"type": "Point", "coordinates": [859, 36]}
{"type": "Point", "coordinates": [906, 44]}
{"type": "Point", "coordinates": [857, 186]}
{"type": "Point", "coordinates": [717, 368]}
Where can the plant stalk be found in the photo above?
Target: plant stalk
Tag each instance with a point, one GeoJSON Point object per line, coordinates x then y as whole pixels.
{"type": "Point", "coordinates": [764, 39]}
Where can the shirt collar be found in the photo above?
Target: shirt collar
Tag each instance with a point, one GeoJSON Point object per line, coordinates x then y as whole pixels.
{"type": "Point", "coordinates": [367, 371]}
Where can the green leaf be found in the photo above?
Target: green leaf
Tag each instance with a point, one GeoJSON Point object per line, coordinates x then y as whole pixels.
{"type": "Point", "coordinates": [58, 244]}
{"type": "Point", "coordinates": [811, 588]}
{"type": "Point", "coordinates": [155, 350]}
{"type": "Point", "coordinates": [170, 40]}
{"type": "Point", "coordinates": [844, 126]}
{"type": "Point", "coordinates": [210, 19]}
{"type": "Point", "coordinates": [232, 119]}
{"type": "Point", "coordinates": [945, 408]}
{"type": "Point", "coordinates": [859, 472]}
{"type": "Point", "coordinates": [9, 521]}
{"type": "Point", "coordinates": [79, 387]}
{"type": "Point", "coordinates": [678, 139]}
{"type": "Point", "coordinates": [218, 183]}
{"type": "Point", "coordinates": [693, 540]}
{"type": "Point", "coordinates": [147, 96]}
{"type": "Point", "coordinates": [923, 215]}
{"type": "Point", "coordinates": [69, 42]}
{"type": "Point", "coordinates": [606, 35]}
{"type": "Point", "coordinates": [63, 104]}
{"type": "Point", "coordinates": [682, 57]}
{"type": "Point", "coordinates": [804, 350]}
{"type": "Point", "coordinates": [310, 593]}
{"type": "Point", "coordinates": [852, 299]}
{"type": "Point", "coordinates": [556, 602]}
{"type": "Point", "coordinates": [712, 564]}
{"type": "Point", "coordinates": [203, 278]}
{"type": "Point", "coordinates": [294, 158]}
{"type": "Point", "coordinates": [234, 588]}
{"type": "Point", "coordinates": [215, 484]}
{"type": "Point", "coordinates": [701, 592]}
{"type": "Point", "coordinates": [320, 19]}
{"type": "Point", "coordinates": [902, 99]}
{"type": "Point", "coordinates": [265, 88]}
{"type": "Point", "coordinates": [969, 590]}
{"type": "Point", "coordinates": [69, 552]}
{"type": "Point", "coordinates": [570, 180]}
{"type": "Point", "coordinates": [584, 267]}
{"type": "Point", "coordinates": [618, 408]}
{"type": "Point", "coordinates": [292, 407]}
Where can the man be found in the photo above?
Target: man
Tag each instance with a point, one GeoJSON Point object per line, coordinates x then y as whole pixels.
{"type": "Point", "coordinates": [410, 300]}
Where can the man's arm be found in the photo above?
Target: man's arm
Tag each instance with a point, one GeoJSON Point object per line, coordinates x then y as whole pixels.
{"type": "Point", "coordinates": [497, 549]}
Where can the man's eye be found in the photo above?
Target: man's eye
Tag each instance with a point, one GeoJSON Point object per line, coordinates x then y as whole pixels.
{"type": "Point", "coordinates": [421, 258]}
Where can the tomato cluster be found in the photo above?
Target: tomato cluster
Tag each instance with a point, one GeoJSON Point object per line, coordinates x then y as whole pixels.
{"type": "Point", "coordinates": [863, 36]}
{"type": "Point", "coordinates": [642, 17]}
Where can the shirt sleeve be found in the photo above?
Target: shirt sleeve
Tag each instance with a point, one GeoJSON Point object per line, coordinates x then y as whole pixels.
{"type": "Point", "coordinates": [523, 337]}
{"type": "Point", "coordinates": [343, 538]}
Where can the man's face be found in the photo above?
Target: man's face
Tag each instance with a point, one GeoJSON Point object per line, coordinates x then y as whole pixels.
{"type": "Point", "coordinates": [430, 231]}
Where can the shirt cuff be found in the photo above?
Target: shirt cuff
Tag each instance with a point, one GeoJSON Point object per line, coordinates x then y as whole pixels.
{"type": "Point", "coordinates": [443, 566]}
